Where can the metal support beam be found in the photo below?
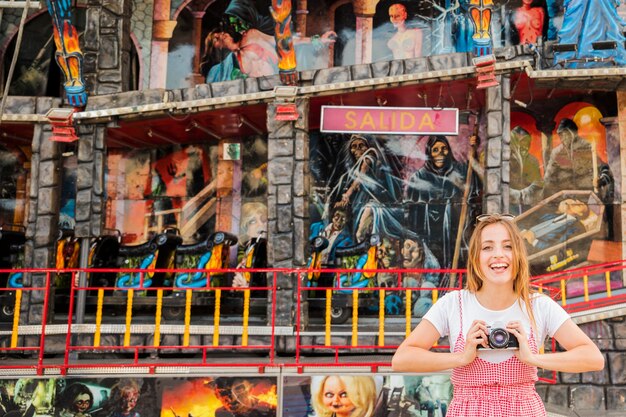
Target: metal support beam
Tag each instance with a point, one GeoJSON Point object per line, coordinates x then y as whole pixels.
{"type": "Point", "coordinates": [19, 4]}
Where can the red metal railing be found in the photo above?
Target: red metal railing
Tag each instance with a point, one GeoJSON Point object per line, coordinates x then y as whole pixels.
{"type": "Point", "coordinates": [353, 296]}
{"type": "Point", "coordinates": [201, 312]}
{"type": "Point", "coordinates": [587, 288]}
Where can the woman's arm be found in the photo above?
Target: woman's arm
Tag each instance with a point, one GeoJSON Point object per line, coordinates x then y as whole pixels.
{"type": "Point", "coordinates": [414, 354]}
{"type": "Point", "coordinates": [366, 162]}
{"type": "Point", "coordinates": [418, 43]}
{"type": "Point", "coordinates": [581, 354]}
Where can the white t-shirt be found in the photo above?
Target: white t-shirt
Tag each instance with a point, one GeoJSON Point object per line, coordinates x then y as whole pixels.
{"type": "Point", "coordinates": [445, 316]}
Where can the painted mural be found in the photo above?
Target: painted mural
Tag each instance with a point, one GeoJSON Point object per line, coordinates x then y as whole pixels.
{"type": "Point", "coordinates": [366, 396]}
{"type": "Point", "coordinates": [223, 396]}
{"type": "Point", "coordinates": [394, 201]}
{"type": "Point", "coordinates": [193, 191]}
{"type": "Point", "coordinates": [228, 396]}
{"type": "Point", "coordinates": [237, 38]}
{"type": "Point", "coordinates": [96, 397]}
{"type": "Point", "coordinates": [232, 39]}
{"type": "Point", "coordinates": [410, 202]}
{"type": "Point", "coordinates": [563, 186]}
{"type": "Point", "coordinates": [13, 178]}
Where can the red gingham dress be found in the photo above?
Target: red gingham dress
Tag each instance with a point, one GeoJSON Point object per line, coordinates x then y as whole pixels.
{"type": "Point", "coordinates": [485, 389]}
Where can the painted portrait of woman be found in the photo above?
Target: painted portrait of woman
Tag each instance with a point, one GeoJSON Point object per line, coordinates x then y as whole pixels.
{"type": "Point", "coordinates": [344, 396]}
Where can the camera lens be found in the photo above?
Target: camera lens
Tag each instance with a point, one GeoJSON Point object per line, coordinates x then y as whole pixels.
{"type": "Point", "coordinates": [498, 338]}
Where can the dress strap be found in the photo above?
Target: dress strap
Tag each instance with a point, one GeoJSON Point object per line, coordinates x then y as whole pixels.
{"type": "Point", "coordinates": [460, 310]}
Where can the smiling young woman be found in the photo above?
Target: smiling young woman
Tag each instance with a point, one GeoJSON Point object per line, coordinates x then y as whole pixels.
{"type": "Point", "coordinates": [492, 376]}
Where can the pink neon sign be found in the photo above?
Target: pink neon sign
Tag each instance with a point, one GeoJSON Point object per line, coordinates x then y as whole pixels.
{"type": "Point", "coordinates": [394, 120]}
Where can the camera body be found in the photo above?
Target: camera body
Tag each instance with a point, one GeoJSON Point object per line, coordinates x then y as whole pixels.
{"type": "Point", "coordinates": [500, 338]}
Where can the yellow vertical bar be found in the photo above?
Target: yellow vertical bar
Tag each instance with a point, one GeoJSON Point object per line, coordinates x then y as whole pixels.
{"type": "Point", "coordinates": [381, 319]}
{"type": "Point", "coordinates": [188, 295]}
{"type": "Point", "coordinates": [129, 317]}
{"type": "Point", "coordinates": [329, 295]}
{"type": "Point", "coordinates": [246, 317]}
{"type": "Point", "coordinates": [563, 293]}
{"type": "Point", "coordinates": [607, 279]}
{"type": "Point", "coordinates": [407, 313]}
{"type": "Point", "coordinates": [157, 319]}
{"type": "Point", "coordinates": [355, 318]}
{"type": "Point", "coordinates": [216, 317]}
{"type": "Point", "coordinates": [586, 287]}
{"type": "Point", "coordinates": [541, 289]}
{"type": "Point", "coordinates": [16, 317]}
{"type": "Point", "coordinates": [435, 295]}
{"type": "Point", "coordinates": [100, 303]}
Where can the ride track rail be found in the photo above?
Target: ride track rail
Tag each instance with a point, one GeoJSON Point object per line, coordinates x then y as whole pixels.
{"type": "Point", "coordinates": [234, 340]}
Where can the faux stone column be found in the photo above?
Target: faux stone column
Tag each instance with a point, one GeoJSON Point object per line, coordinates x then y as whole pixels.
{"type": "Point", "coordinates": [106, 46]}
{"type": "Point", "coordinates": [197, 76]}
{"type": "Point", "coordinates": [621, 120]}
{"type": "Point", "coordinates": [43, 216]}
{"type": "Point", "coordinates": [288, 199]}
{"type": "Point", "coordinates": [615, 159]}
{"type": "Point", "coordinates": [364, 11]}
{"type": "Point", "coordinates": [90, 181]}
{"type": "Point", "coordinates": [162, 30]}
{"type": "Point", "coordinates": [301, 15]}
{"type": "Point", "coordinates": [497, 148]}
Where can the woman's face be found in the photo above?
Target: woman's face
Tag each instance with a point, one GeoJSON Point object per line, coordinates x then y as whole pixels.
{"type": "Point", "coordinates": [397, 14]}
{"type": "Point", "coordinates": [336, 397]}
{"type": "Point", "coordinates": [223, 40]}
{"type": "Point", "coordinates": [82, 402]}
{"type": "Point", "coordinates": [496, 255]}
{"type": "Point", "coordinates": [439, 153]}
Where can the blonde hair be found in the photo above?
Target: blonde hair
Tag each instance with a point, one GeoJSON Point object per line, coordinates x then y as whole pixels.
{"type": "Point", "coordinates": [519, 267]}
{"type": "Point", "coordinates": [361, 391]}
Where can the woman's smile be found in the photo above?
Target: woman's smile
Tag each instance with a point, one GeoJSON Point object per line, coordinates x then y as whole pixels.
{"type": "Point", "coordinates": [496, 254]}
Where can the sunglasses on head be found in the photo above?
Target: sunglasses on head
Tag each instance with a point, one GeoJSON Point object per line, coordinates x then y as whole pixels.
{"type": "Point", "coordinates": [503, 216]}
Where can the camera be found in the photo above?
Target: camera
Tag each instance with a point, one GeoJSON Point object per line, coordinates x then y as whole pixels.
{"type": "Point", "coordinates": [500, 338]}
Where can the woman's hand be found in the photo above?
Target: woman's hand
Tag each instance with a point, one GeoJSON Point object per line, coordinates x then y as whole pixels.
{"type": "Point", "coordinates": [345, 200]}
{"type": "Point", "coordinates": [477, 335]}
{"type": "Point", "coordinates": [328, 37]}
{"type": "Point", "coordinates": [524, 353]}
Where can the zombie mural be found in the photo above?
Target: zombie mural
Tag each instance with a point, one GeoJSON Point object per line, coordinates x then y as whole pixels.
{"type": "Point", "coordinates": [390, 202]}
{"type": "Point", "coordinates": [321, 395]}
{"type": "Point", "coordinates": [563, 185]}
{"type": "Point", "coordinates": [61, 397]}
{"type": "Point", "coordinates": [222, 396]}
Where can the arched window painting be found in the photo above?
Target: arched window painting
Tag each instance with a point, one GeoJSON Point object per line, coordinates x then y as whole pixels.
{"type": "Point", "coordinates": [233, 39]}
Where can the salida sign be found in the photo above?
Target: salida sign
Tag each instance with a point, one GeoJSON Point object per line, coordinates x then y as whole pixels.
{"type": "Point", "coordinates": [392, 120]}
